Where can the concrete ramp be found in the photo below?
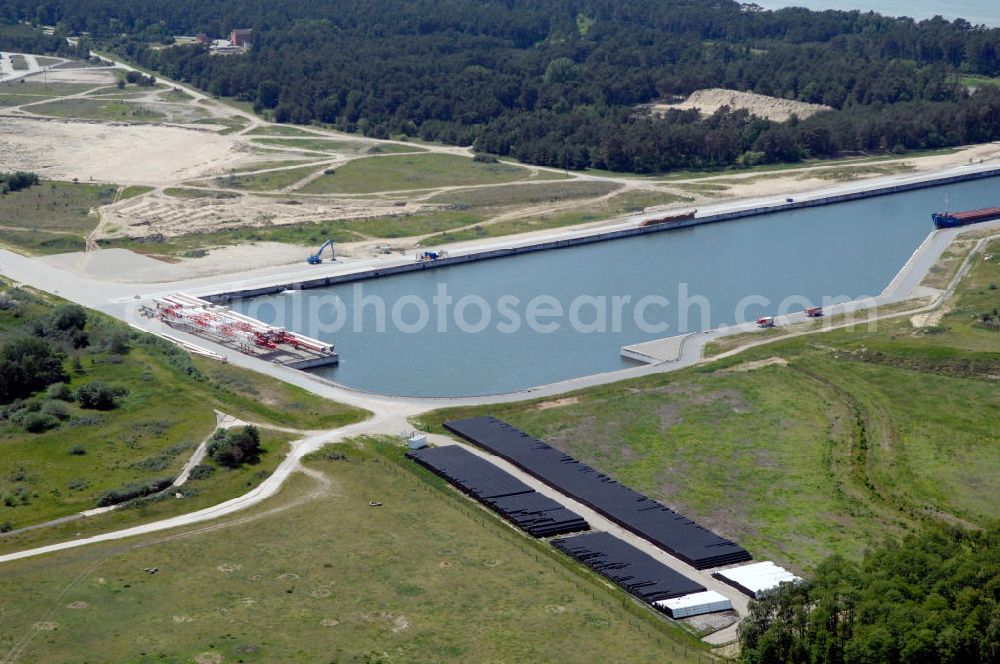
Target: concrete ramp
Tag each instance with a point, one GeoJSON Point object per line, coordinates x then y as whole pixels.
{"type": "Point", "coordinates": [656, 351]}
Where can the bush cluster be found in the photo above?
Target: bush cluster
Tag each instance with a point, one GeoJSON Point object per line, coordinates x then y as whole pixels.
{"type": "Point", "coordinates": [234, 447]}
{"type": "Point", "coordinates": [130, 491]}
{"type": "Point", "coordinates": [98, 395]}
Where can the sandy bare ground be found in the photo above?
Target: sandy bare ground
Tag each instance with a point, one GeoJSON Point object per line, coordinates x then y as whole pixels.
{"type": "Point", "coordinates": [773, 108]}
{"type": "Point", "coordinates": [117, 153]}
{"type": "Point", "coordinates": [165, 215]}
{"type": "Point", "coordinates": [96, 76]}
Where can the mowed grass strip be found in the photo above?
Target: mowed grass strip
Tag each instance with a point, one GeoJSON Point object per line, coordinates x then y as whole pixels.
{"type": "Point", "coordinates": [269, 181]}
{"type": "Point", "coordinates": [334, 145]}
{"type": "Point", "coordinates": [280, 130]}
{"type": "Point", "coordinates": [282, 163]}
{"type": "Point", "coordinates": [98, 109]}
{"type": "Point", "coordinates": [524, 194]}
{"type": "Point", "coordinates": [35, 87]}
{"type": "Point", "coordinates": [404, 172]}
{"type": "Point", "coordinates": [428, 576]}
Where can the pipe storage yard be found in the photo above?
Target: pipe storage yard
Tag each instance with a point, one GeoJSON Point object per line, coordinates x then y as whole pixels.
{"type": "Point", "coordinates": [672, 532]}
{"type": "Point", "coordinates": [636, 572]}
{"type": "Point", "coordinates": [602, 236]}
{"type": "Point", "coordinates": [535, 514]}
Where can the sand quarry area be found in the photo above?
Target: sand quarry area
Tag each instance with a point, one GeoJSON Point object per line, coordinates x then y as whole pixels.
{"type": "Point", "coordinates": [773, 108]}
{"type": "Point", "coordinates": [118, 153]}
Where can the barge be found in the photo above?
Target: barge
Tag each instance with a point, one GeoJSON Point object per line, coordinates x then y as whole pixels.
{"type": "Point", "coordinates": [955, 219]}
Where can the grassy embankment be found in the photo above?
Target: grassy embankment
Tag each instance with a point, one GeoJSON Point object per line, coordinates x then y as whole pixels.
{"type": "Point", "coordinates": [99, 109]}
{"type": "Point", "coordinates": [20, 92]}
{"type": "Point", "coordinates": [51, 217]}
{"type": "Point", "coordinates": [320, 144]}
{"type": "Point", "coordinates": [317, 574]}
{"type": "Point", "coordinates": [628, 202]}
{"type": "Point", "coordinates": [168, 409]}
{"type": "Point", "coordinates": [808, 446]}
{"type": "Point", "coordinates": [410, 172]}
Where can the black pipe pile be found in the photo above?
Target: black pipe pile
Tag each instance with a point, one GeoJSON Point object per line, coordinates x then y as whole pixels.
{"type": "Point", "coordinates": [633, 570]}
{"type": "Point", "coordinates": [532, 512]}
{"type": "Point", "coordinates": [674, 533]}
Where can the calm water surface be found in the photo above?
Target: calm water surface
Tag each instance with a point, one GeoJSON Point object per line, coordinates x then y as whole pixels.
{"type": "Point", "coordinates": [849, 250]}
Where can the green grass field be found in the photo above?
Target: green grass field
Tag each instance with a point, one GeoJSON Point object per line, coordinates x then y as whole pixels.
{"type": "Point", "coordinates": [627, 202]}
{"type": "Point", "coordinates": [280, 130]}
{"type": "Point", "coordinates": [809, 446]}
{"type": "Point", "coordinates": [167, 411]}
{"type": "Point", "coordinates": [265, 181]}
{"type": "Point", "coordinates": [333, 145]}
{"type": "Point", "coordinates": [16, 100]}
{"type": "Point", "coordinates": [524, 194]}
{"type": "Point", "coordinates": [318, 575]}
{"type": "Point", "coordinates": [41, 89]}
{"type": "Point", "coordinates": [978, 81]}
{"type": "Point", "coordinates": [98, 109]}
{"type": "Point", "coordinates": [51, 217]}
{"type": "Point", "coordinates": [278, 163]}
{"type": "Point", "coordinates": [425, 171]}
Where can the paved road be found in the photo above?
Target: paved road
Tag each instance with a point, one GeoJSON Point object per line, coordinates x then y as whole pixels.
{"type": "Point", "coordinates": [7, 71]}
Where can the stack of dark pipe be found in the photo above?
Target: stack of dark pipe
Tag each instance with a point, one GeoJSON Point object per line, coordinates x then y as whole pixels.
{"type": "Point", "coordinates": [672, 532]}
{"type": "Point", "coordinates": [635, 571]}
{"type": "Point", "coordinates": [537, 515]}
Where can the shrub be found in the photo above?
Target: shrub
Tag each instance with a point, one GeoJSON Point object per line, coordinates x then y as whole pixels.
{"type": "Point", "coordinates": [60, 391]}
{"type": "Point", "coordinates": [77, 450]}
{"type": "Point", "coordinates": [6, 527]}
{"type": "Point", "coordinates": [77, 484]}
{"type": "Point", "coordinates": [17, 181]}
{"type": "Point", "coordinates": [56, 409]}
{"type": "Point", "coordinates": [39, 422]}
{"type": "Point", "coordinates": [130, 491]}
{"type": "Point", "coordinates": [26, 366]}
{"type": "Point", "coordinates": [99, 395]}
{"type": "Point", "coordinates": [235, 447]}
{"type": "Point", "coordinates": [201, 472]}
{"type": "Point", "coordinates": [67, 317]}
{"type": "Point", "coordinates": [484, 158]}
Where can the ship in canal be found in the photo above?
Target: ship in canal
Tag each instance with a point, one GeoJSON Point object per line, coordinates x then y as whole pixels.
{"type": "Point", "coordinates": [955, 219]}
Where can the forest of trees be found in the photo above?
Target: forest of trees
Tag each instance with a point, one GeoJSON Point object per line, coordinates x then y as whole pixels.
{"type": "Point", "coordinates": [932, 598]}
{"type": "Point", "coordinates": [558, 83]}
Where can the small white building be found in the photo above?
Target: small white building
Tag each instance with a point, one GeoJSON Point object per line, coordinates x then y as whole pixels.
{"type": "Point", "coordinates": [757, 578]}
{"type": "Point", "coordinates": [694, 604]}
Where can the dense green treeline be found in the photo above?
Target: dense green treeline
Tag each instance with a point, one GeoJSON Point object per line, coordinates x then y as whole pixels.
{"type": "Point", "coordinates": [558, 83]}
{"type": "Point", "coordinates": [934, 597]}
{"type": "Point", "coordinates": [21, 39]}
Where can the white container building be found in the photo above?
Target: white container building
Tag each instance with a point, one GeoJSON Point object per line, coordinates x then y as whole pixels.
{"type": "Point", "coordinates": [757, 578]}
{"type": "Point", "coordinates": [694, 604]}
